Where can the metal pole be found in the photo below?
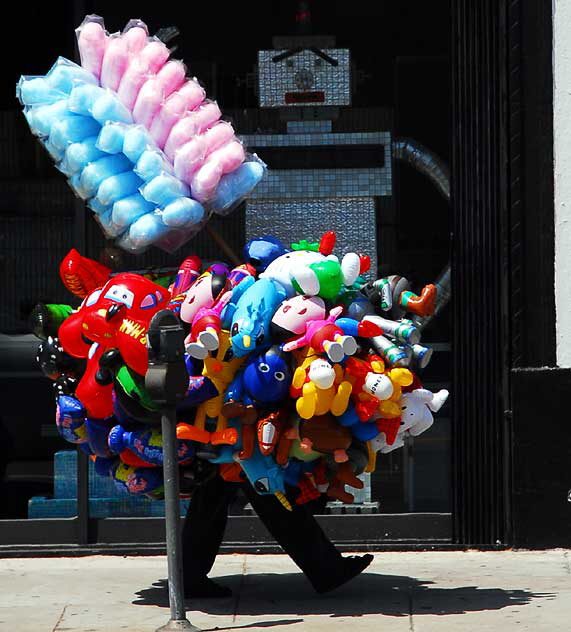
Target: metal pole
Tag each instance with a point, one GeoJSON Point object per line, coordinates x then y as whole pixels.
{"type": "Point", "coordinates": [166, 380]}
{"type": "Point", "coordinates": [178, 620]}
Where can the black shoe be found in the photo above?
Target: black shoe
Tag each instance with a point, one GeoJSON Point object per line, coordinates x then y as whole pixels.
{"type": "Point", "coordinates": [350, 567]}
{"type": "Point", "coordinates": [206, 589]}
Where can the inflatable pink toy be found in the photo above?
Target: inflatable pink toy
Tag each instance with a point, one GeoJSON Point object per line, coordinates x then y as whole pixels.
{"type": "Point", "coordinates": [190, 96]}
{"type": "Point", "coordinates": [92, 42]}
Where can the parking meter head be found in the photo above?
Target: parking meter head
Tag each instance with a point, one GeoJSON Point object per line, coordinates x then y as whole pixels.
{"type": "Point", "coordinates": [166, 379]}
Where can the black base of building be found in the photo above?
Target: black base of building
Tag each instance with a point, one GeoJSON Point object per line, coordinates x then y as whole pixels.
{"type": "Point", "coordinates": [422, 531]}
{"type": "Point", "coordinates": [242, 547]}
{"type": "Point", "coordinates": [541, 458]}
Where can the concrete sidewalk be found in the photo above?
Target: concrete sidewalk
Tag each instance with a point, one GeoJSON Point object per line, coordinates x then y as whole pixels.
{"type": "Point", "coordinates": [420, 592]}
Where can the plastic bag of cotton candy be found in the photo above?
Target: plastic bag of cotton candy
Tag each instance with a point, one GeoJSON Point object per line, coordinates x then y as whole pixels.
{"type": "Point", "coordinates": [137, 139]}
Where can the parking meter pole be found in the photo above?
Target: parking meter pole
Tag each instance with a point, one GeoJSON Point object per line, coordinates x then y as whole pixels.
{"type": "Point", "coordinates": [172, 516]}
{"type": "Point", "coordinates": [166, 380]}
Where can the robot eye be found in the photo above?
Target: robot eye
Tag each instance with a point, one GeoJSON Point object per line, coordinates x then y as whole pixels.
{"type": "Point", "coordinates": [264, 368]}
{"type": "Point", "coordinates": [235, 329]}
{"type": "Point", "coordinates": [403, 407]}
{"type": "Point", "coordinates": [280, 376]}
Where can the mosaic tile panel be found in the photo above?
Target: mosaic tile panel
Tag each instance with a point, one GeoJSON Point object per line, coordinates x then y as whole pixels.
{"type": "Point", "coordinates": [302, 74]}
{"type": "Point", "coordinates": [308, 127]}
{"type": "Point", "coordinates": [353, 219]}
{"type": "Point", "coordinates": [310, 183]}
{"type": "Point", "coordinates": [318, 138]}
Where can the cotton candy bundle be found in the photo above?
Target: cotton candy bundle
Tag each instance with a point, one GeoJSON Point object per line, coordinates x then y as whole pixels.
{"type": "Point", "coordinates": [137, 139]}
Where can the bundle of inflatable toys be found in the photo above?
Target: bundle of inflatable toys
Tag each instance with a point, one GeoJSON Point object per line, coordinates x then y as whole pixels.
{"type": "Point", "coordinates": [299, 369]}
{"type": "Point", "coordinates": [137, 139]}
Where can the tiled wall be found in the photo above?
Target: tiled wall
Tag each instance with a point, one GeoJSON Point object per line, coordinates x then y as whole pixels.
{"type": "Point", "coordinates": [342, 120]}
{"type": "Point", "coordinates": [317, 138]}
{"type": "Point", "coordinates": [304, 72]}
{"type": "Point", "coordinates": [290, 220]}
{"type": "Point", "coordinates": [313, 183]}
{"type": "Point", "coordinates": [309, 127]}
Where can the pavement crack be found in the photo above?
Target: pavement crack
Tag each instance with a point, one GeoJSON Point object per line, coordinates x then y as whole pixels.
{"type": "Point", "coordinates": [239, 591]}
{"type": "Point", "coordinates": [567, 563]}
{"type": "Point", "coordinates": [59, 619]}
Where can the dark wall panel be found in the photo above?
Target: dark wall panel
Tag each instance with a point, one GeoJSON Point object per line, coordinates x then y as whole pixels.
{"type": "Point", "coordinates": [541, 458]}
{"type": "Point", "coordinates": [479, 271]}
{"type": "Point", "coordinates": [530, 107]}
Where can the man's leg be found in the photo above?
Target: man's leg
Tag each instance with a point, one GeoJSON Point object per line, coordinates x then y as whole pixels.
{"type": "Point", "coordinates": [299, 534]}
{"type": "Point", "coordinates": [202, 535]}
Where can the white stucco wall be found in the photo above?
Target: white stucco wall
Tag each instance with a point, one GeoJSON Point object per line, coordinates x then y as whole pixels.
{"type": "Point", "coordinates": [562, 155]}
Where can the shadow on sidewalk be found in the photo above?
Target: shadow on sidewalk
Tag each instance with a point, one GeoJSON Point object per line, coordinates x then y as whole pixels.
{"type": "Point", "coordinates": [370, 593]}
